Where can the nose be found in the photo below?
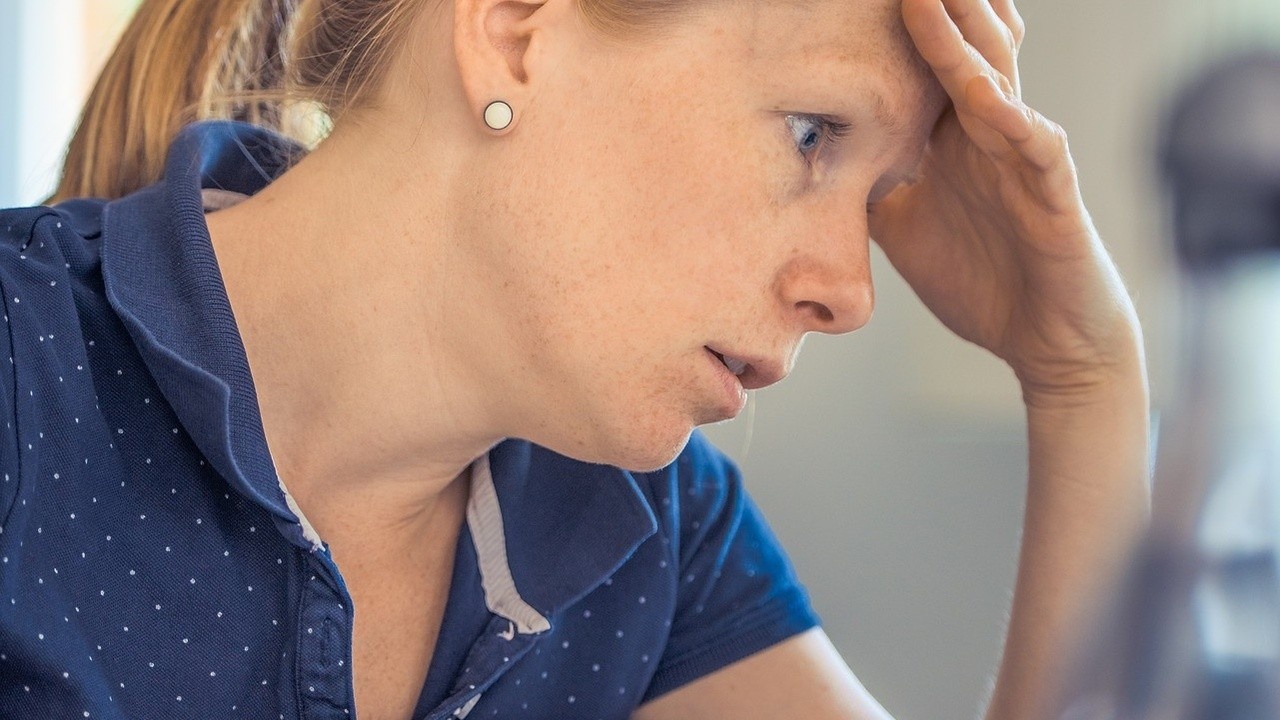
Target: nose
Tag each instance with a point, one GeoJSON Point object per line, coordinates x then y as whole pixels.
{"type": "Point", "coordinates": [827, 286]}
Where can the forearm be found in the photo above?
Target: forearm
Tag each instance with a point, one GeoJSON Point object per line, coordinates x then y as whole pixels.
{"type": "Point", "coordinates": [1088, 498]}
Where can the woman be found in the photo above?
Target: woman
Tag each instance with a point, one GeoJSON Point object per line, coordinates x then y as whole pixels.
{"type": "Point", "coordinates": [484, 318]}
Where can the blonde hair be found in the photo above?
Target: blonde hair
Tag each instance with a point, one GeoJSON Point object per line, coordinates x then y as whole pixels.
{"type": "Point", "coordinates": [293, 66]}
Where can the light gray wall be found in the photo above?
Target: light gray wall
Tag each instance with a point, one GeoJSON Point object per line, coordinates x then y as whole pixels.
{"type": "Point", "coordinates": [892, 463]}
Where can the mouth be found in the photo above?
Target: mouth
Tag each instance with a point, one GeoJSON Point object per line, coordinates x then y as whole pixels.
{"type": "Point", "coordinates": [736, 366]}
{"type": "Point", "coordinates": [753, 372]}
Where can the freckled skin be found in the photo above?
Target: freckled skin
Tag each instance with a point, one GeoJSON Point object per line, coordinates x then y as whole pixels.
{"type": "Point", "coordinates": [640, 225]}
{"type": "Point", "coordinates": [557, 280]}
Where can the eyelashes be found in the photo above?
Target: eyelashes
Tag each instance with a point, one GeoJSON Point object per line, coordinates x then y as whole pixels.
{"type": "Point", "coordinates": [813, 133]}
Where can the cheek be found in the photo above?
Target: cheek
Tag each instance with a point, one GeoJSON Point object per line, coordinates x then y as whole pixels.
{"type": "Point", "coordinates": [704, 210]}
{"type": "Point", "coordinates": [628, 245]}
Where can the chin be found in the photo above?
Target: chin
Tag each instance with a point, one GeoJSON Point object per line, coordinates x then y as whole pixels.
{"type": "Point", "coordinates": [652, 458]}
{"type": "Point", "coordinates": [630, 443]}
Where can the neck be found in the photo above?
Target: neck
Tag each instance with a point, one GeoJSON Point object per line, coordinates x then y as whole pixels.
{"type": "Point", "coordinates": [365, 330]}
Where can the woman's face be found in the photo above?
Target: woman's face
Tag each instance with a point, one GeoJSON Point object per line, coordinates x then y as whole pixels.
{"type": "Point", "coordinates": [646, 204]}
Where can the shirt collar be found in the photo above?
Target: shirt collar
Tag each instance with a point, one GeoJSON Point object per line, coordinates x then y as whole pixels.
{"type": "Point", "coordinates": [549, 526]}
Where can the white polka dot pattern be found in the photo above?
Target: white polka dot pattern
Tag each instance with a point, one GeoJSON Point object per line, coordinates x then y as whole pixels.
{"type": "Point", "coordinates": [152, 565]}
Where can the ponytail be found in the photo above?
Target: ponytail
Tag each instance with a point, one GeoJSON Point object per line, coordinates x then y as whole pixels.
{"type": "Point", "coordinates": [176, 62]}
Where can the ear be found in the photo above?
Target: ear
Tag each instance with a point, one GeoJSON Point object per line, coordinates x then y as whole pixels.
{"type": "Point", "coordinates": [501, 47]}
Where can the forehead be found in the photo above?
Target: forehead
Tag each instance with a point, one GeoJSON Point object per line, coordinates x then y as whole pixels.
{"type": "Point", "coordinates": [860, 48]}
{"type": "Point", "coordinates": [816, 30]}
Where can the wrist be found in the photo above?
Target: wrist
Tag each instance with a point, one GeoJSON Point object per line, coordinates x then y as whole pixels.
{"type": "Point", "coordinates": [1119, 371]}
{"type": "Point", "coordinates": [1099, 386]}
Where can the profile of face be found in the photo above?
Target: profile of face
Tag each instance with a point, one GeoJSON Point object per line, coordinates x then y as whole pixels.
{"type": "Point", "coordinates": [706, 187]}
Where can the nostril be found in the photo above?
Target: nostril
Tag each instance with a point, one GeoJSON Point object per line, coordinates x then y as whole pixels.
{"type": "Point", "coordinates": [822, 311]}
{"type": "Point", "coordinates": [840, 311]}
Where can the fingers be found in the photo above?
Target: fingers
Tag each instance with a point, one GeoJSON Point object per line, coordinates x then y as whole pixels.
{"type": "Point", "coordinates": [988, 33]}
{"type": "Point", "coordinates": [966, 42]}
{"type": "Point", "coordinates": [954, 60]}
{"type": "Point", "coordinates": [1031, 137]}
{"type": "Point", "coordinates": [1038, 140]}
{"type": "Point", "coordinates": [1009, 15]}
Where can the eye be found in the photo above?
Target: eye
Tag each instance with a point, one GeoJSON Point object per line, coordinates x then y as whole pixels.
{"type": "Point", "coordinates": [813, 132]}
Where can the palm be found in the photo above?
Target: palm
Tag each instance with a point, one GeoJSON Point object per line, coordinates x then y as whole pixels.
{"type": "Point", "coordinates": [940, 247]}
{"type": "Point", "coordinates": [995, 238]}
{"type": "Point", "coordinates": [994, 250]}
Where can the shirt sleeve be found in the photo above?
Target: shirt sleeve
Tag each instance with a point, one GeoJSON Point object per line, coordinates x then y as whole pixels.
{"type": "Point", "coordinates": [738, 592]}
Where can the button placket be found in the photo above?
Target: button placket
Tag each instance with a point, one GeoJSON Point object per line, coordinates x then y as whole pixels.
{"type": "Point", "coordinates": [495, 652]}
{"type": "Point", "coordinates": [324, 640]}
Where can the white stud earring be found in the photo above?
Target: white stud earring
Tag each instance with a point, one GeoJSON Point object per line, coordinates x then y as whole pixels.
{"type": "Point", "coordinates": [497, 115]}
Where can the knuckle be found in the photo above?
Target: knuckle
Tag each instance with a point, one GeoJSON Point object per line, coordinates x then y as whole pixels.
{"type": "Point", "coordinates": [1033, 117]}
{"type": "Point", "coordinates": [1056, 136]}
{"type": "Point", "coordinates": [1057, 133]}
{"type": "Point", "coordinates": [1018, 29]}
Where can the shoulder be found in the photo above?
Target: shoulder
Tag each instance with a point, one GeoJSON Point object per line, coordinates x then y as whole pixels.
{"type": "Point", "coordinates": [21, 226]}
{"type": "Point", "coordinates": [49, 271]}
{"type": "Point", "coordinates": [701, 479]}
{"type": "Point", "coordinates": [702, 504]}
{"type": "Point", "coordinates": [736, 591]}
{"type": "Point", "coordinates": [44, 246]}
{"type": "Point", "coordinates": [46, 242]}
{"type": "Point", "coordinates": [45, 252]}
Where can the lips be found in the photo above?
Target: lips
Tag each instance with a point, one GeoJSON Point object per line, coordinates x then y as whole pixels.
{"type": "Point", "coordinates": [735, 365]}
{"type": "Point", "coordinates": [758, 372]}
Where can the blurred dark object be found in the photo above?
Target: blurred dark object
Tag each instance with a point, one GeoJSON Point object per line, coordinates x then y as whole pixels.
{"type": "Point", "coordinates": [1192, 629]}
{"type": "Point", "coordinates": [1221, 158]}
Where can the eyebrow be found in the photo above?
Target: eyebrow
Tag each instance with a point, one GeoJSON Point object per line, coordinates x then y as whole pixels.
{"type": "Point", "coordinates": [897, 130]}
{"type": "Point", "coordinates": [896, 127]}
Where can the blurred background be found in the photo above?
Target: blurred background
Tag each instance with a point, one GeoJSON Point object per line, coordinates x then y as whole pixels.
{"type": "Point", "coordinates": [892, 463]}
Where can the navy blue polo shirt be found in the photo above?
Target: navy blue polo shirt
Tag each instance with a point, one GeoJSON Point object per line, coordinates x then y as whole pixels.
{"type": "Point", "coordinates": [152, 564]}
